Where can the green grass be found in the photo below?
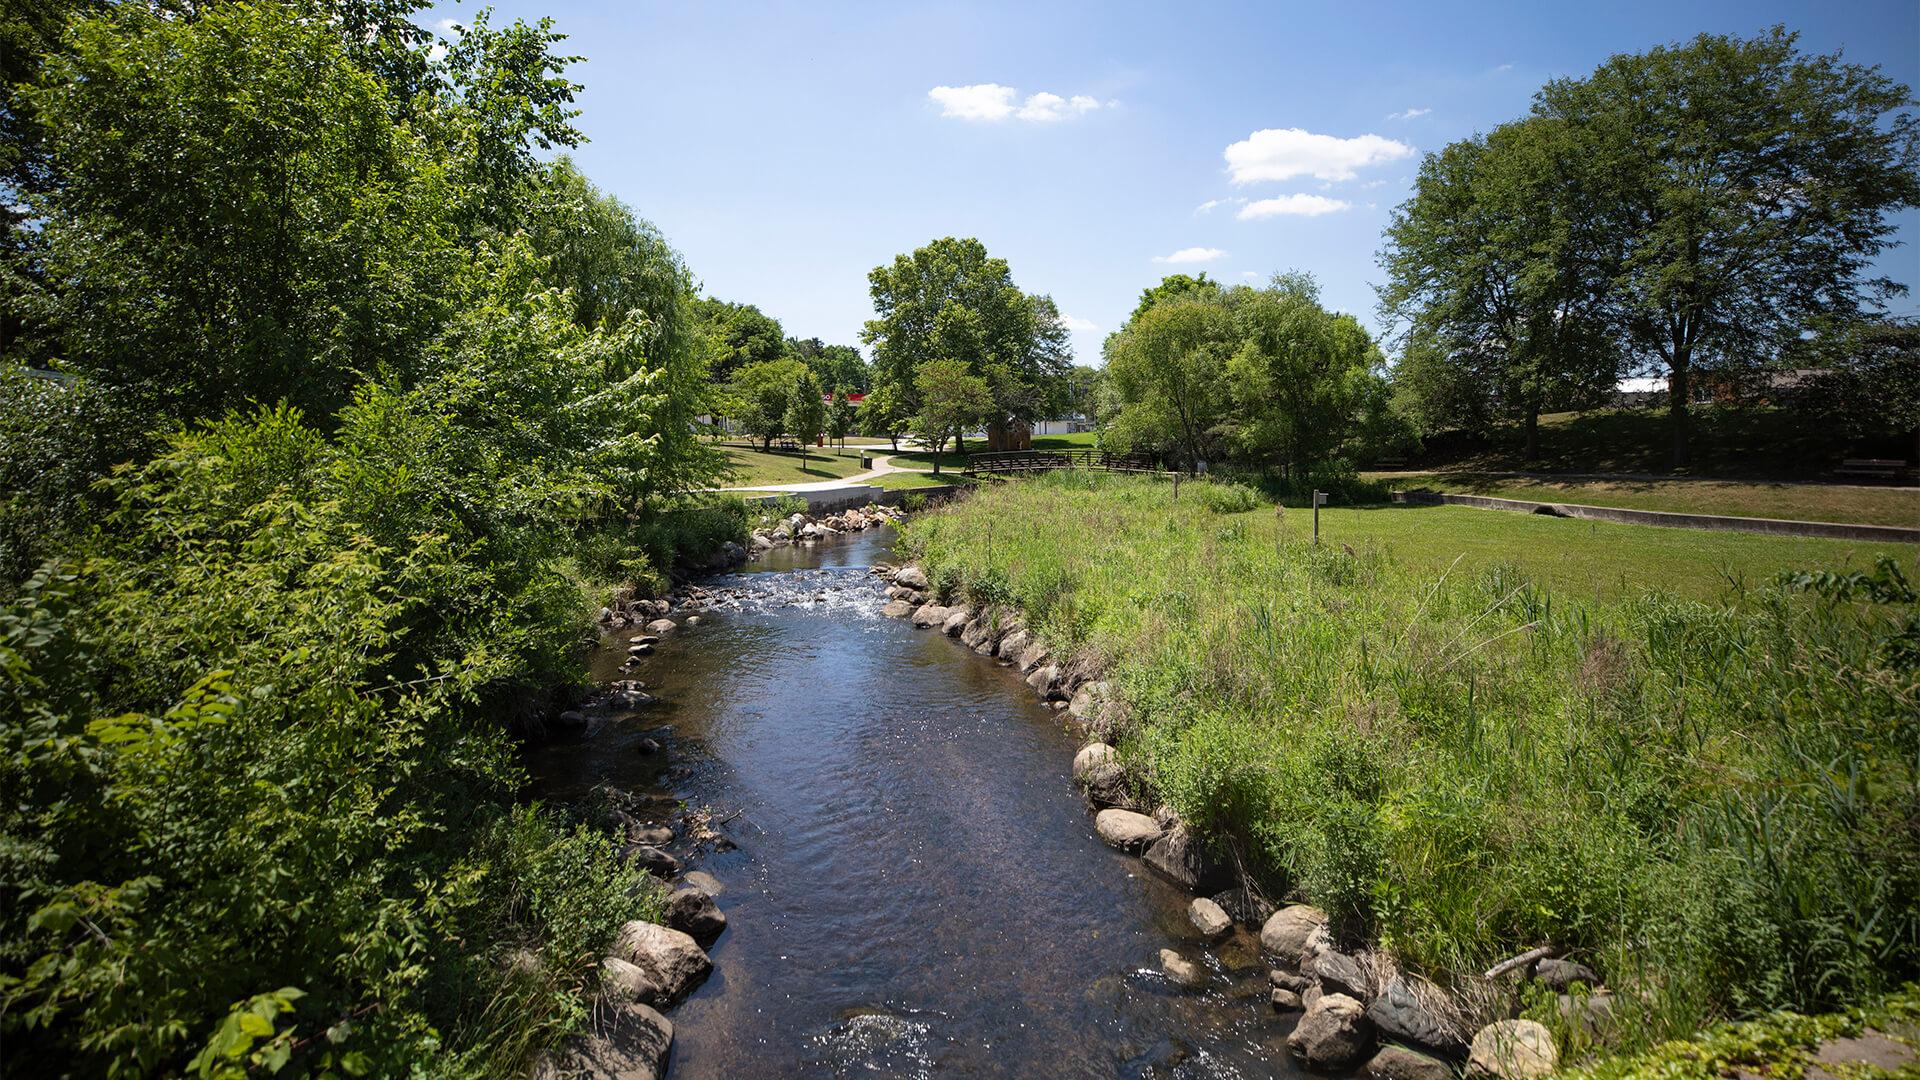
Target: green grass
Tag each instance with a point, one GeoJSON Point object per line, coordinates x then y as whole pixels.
{"type": "Point", "coordinates": [1079, 439]}
{"type": "Point", "coordinates": [907, 480]}
{"type": "Point", "coordinates": [1749, 498]}
{"type": "Point", "coordinates": [1761, 442]}
{"type": "Point", "coordinates": [751, 465]}
{"type": "Point", "coordinates": [1708, 801]}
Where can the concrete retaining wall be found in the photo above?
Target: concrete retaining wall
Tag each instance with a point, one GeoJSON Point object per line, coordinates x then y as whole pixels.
{"type": "Point", "coordinates": [1830, 530]}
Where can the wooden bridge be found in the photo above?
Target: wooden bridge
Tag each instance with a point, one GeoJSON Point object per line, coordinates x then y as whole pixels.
{"type": "Point", "coordinates": [1021, 462]}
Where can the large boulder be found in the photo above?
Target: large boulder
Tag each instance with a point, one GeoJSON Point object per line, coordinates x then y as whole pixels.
{"type": "Point", "coordinates": [929, 615]}
{"type": "Point", "coordinates": [693, 913]}
{"type": "Point", "coordinates": [1091, 755]}
{"type": "Point", "coordinates": [623, 980]}
{"type": "Point", "coordinates": [1125, 829]}
{"type": "Point", "coordinates": [1033, 657]}
{"type": "Point", "coordinates": [897, 609]}
{"type": "Point", "coordinates": [671, 959]}
{"type": "Point", "coordinates": [912, 577]}
{"type": "Point", "coordinates": [662, 627]}
{"type": "Point", "coordinates": [1341, 974]}
{"type": "Point", "coordinates": [1513, 1050]}
{"type": "Point", "coordinates": [956, 621]}
{"type": "Point", "coordinates": [1106, 785]}
{"type": "Point", "coordinates": [1400, 1063]}
{"type": "Point", "coordinates": [1011, 646]}
{"type": "Point", "coordinates": [1209, 918]}
{"type": "Point", "coordinates": [1402, 1012]}
{"type": "Point", "coordinates": [1286, 934]}
{"type": "Point", "coordinates": [1334, 1035]}
{"type": "Point", "coordinates": [628, 1042]}
{"type": "Point", "coordinates": [1045, 680]}
{"type": "Point", "coordinates": [1179, 857]}
{"type": "Point", "coordinates": [1560, 975]}
{"type": "Point", "coordinates": [651, 859]}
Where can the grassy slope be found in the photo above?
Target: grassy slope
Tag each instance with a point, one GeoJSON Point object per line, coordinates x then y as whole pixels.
{"type": "Point", "coordinates": [1591, 559]}
{"type": "Point", "coordinates": [1460, 765]}
{"type": "Point", "coordinates": [751, 465]}
{"type": "Point", "coordinates": [1745, 498]}
{"type": "Point", "coordinates": [907, 480]}
{"type": "Point", "coordinates": [1727, 442]}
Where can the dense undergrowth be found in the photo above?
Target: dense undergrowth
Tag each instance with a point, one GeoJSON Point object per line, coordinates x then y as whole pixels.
{"type": "Point", "coordinates": [1714, 804]}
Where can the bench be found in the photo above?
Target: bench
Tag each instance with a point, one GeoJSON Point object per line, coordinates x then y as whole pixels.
{"type": "Point", "coordinates": [1875, 468]}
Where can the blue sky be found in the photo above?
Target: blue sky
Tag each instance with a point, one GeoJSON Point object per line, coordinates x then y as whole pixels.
{"type": "Point", "coordinates": [787, 149]}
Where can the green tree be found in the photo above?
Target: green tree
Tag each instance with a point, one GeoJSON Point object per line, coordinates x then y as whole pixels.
{"type": "Point", "coordinates": [1868, 380]}
{"type": "Point", "coordinates": [840, 417]}
{"type": "Point", "coordinates": [738, 335]}
{"type": "Point", "coordinates": [837, 367]}
{"type": "Point", "coordinates": [760, 397]}
{"type": "Point", "coordinates": [1169, 367]}
{"type": "Point", "coordinates": [952, 399]}
{"type": "Point", "coordinates": [884, 414]}
{"type": "Point", "coordinates": [1501, 265]}
{"type": "Point", "coordinates": [1750, 185]}
{"type": "Point", "coordinates": [950, 300]}
{"type": "Point", "coordinates": [1177, 287]}
{"type": "Point", "coordinates": [806, 416]}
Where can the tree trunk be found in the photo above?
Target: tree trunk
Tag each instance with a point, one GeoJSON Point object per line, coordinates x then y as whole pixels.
{"type": "Point", "coordinates": [1677, 409]}
{"type": "Point", "coordinates": [1533, 433]}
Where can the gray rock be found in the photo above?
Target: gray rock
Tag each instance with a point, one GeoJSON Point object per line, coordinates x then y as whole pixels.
{"type": "Point", "coordinates": [1513, 1050]}
{"type": "Point", "coordinates": [1341, 974]}
{"type": "Point", "coordinates": [1091, 755]}
{"type": "Point", "coordinates": [652, 860]}
{"type": "Point", "coordinates": [1033, 657]}
{"type": "Point", "coordinates": [1287, 980]}
{"type": "Point", "coordinates": [623, 980]}
{"type": "Point", "coordinates": [668, 957]}
{"type": "Point", "coordinates": [1181, 970]}
{"type": "Point", "coordinates": [1592, 1013]}
{"type": "Point", "coordinates": [1287, 932]}
{"type": "Point", "coordinates": [929, 615]}
{"type": "Point", "coordinates": [1871, 1048]}
{"type": "Point", "coordinates": [1206, 916]}
{"type": "Point", "coordinates": [1045, 680]}
{"type": "Point", "coordinates": [1334, 1035]}
{"type": "Point", "coordinates": [912, 577]}
{"type": "Point", "coordinates": [897, 609]}
{"type": "Point", "coordinates": [645, 648]}
{"type": "Point", "coordinates": [693, 913]}
{"type": "Point", "coordinates": [1106, 785]}
{"type": "Point", "coordinates": [1559, 975]}
{"type": "Point", "coordinates": [663, 627]}
{"type": "Point", "coordinates": [705, 882]}
{"type": "Point", "coordinates": [1399, 1012]}
{"type": "Point", "coordinates": [1284, 1000]}
{"type": "Point", "coordinates": [630, 1041]}
{"type": "Point", "coordinates": [957, 620]}
{"type": "Point", "coordinates": [1400, 1063]}
{"type": "Point", "coordinates": [1125, 829]}
{"type": "Point", "coordinates": [1178, 857]}
{"type": "Point", "coordinates": [652, 835]}
{"type": "Point", "coordinates": [1013, 645]}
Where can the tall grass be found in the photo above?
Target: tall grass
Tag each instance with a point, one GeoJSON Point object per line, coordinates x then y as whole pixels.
{"type": "Point", "coordinates": [1714, 805]}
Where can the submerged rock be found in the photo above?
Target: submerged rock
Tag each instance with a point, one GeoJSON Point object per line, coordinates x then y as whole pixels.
{"type": "Point", "coordinates": [1513, 1050]}
{"type": "Point", "coordinates": [1181, 970]}
{"type": "Point", "coordinates": [1209, 918]}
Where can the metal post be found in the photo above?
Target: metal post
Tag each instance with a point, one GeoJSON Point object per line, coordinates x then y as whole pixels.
{"type": "Point", "coordinates": [1319, 497]}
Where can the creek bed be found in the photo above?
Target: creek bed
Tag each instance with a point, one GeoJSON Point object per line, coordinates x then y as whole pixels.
{"type": "Point", "coordinates": [917, 888]}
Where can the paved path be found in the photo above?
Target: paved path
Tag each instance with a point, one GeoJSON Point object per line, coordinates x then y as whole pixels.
{"type": "Point", "coordinates": [882, 465]}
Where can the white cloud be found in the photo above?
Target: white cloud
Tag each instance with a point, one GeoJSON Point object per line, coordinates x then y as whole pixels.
{"type": "Point", "coordinates": [1293, 206]}
{"type": "Point", "coordinates": [448, 25]}
{"type": "Point", "coordinates": [1192, 255]}
{"type": "Point", "coordinates": [1503, 69]}
{"type": "Point", "coordinates": [1284, 153]}
{"type": "Point", "coordinates": [1250, 275]}
{"type": "Point", "coordinates": [1408, 114]}
{"type": "Point", "coordinates": [993, 102]}
{"type": "Point", "coordinates": [1210, 204]}
{"type": "Point", "coordinates": [1078, 325]}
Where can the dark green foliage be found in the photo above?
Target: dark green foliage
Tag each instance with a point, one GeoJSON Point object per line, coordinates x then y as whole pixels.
{"type": "Point", "coordinates": [58, 435]}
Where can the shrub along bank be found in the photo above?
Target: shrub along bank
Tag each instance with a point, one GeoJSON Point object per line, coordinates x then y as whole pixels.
{"type": "Point", "coordinates": [1711, 805]}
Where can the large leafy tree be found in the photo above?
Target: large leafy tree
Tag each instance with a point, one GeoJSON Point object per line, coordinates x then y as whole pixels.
{"type": "Point", "coordinates": [738, 335]}
{"type": "Point", "coordinates": [759, 397]}
{"type": "Point", "coordinates": [952, 399]}
{"type": "Point", "coordinates": [806, 414]}
{"type": "Point", "coordinates": [950, 300]}
{"type": "Point", "coordinates": [1750, 184]}
{"type": "Point", "coordinates": [1169, 367]}
{"type": "Point", "coordinates": [838, 367]}
{"type": "Point", "coordinates": [1500, 267]}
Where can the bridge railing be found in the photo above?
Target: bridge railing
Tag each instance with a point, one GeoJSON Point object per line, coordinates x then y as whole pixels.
{"type": "Point", "coordinates": [1016, 462]}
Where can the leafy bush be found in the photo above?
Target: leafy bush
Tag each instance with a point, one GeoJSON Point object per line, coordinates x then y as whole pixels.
{"type": "Point", "coordinates": [1226, 498]}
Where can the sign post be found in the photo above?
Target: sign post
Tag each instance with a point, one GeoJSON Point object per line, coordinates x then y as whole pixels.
{"type": "Point", "coordinates": [1319, 500]}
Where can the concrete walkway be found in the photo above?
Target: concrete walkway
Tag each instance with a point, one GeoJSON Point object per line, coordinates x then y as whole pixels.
{"type": "Point", "coordinates": [882, 465]}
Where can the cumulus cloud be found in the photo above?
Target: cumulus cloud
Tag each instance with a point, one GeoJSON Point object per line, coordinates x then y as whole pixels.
{"type": "Point", "coordinates": [1292, 206]}
{"type": "Point", "coordinates": [993, 102]}
{"type": "Point", "coordinates": [1192, 255]}
{"type": "Point", "coordinates": [1078, 325]}
{"type": "Point", "coordinates": [1408, 114]}
{"type": "Point", "coordinates": [1284, 153]}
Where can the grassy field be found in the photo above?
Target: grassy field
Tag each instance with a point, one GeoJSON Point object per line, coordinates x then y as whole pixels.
{"type": "Point", "coordinates": [751, 465]}
{"type": "Point", "coordinates": [897, 481]}
{"type": "Point", "coordinates": [1760, 442]}
{"type": "Point", "coordinates": [1710, 802]}
{"type": "Point", "coordinates": [1745, 498]}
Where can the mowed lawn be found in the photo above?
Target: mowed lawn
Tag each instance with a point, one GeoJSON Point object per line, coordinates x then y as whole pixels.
{"type": "Point", "coordinates": [1593, 559]}
{"type": "Point", "coordinates": [1859, 504]}
{"type": "Point", "coordinates": [751, 465]}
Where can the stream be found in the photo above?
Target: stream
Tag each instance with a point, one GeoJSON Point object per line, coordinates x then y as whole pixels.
{"type": "Point", "coordinates": [917, 889]}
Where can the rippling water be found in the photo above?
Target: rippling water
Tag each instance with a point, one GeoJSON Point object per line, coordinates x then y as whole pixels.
{"type": "Point", "coordinates": [916, 888]}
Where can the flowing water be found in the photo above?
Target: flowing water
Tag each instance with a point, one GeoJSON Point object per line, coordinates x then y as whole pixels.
{"type": "Point", "coordinates": [916, 888]}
